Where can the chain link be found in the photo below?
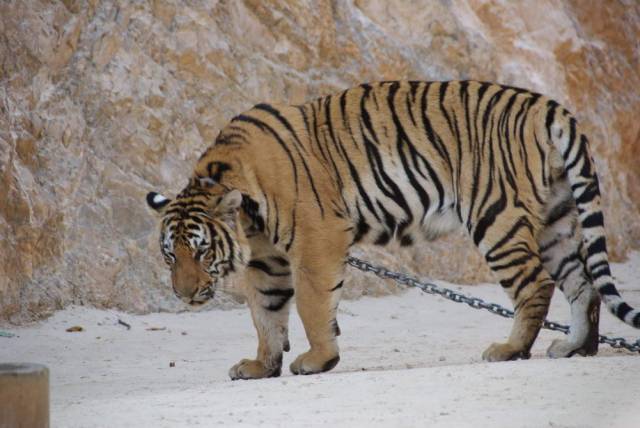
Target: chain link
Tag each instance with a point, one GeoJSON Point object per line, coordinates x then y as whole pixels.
{"type": "Point", "coordinates": [475, 302]}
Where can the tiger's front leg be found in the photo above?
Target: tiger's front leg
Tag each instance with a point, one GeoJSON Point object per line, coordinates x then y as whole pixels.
{"type": "Point", "coordinates": [318, 283]}
{"type": "Point", "coordinates": [268, 291]}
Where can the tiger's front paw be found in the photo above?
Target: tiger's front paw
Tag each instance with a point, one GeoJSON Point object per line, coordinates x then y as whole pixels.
{"type": "Point", "coordinates": [504, 352]}
{"type": "Point", "coordinates": [313, 362]}
{"type": "Point", "coordinates": [252, 369]}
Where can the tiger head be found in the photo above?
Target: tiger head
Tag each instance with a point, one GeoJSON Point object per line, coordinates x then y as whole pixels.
{"type": "Point", "coordinates": [201, 239]}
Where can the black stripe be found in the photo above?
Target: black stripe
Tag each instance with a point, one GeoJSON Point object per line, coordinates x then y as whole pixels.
{"type": "Point", "coordinates": [263, 126]}
{"type": "Point", "coordinates": [409, 106]}
{"type": "Point", "coordinates": [539, 148]}
{"type": "Point", "coordinates": [338, 286]}
{"type": "Point", "coordinates": [403, 139]}
{"type": "Point", "coordinates": [489, 216]}
{"type": "Point", "coordinates": [315, 127]}
{"type": "Point", "coordinates": [622, 310]}
{"type": "Point", "coordinates": [549, 245]}
{"type": "Point", "coordinates": [212, 231]}
{"type": "Point", "coordinates": [589, 194]}
{"type": "Point", "coordinates": [584, 285]}
{"type": "Point", "coordinates": [559, 211]}
{"type": "Point", "coordinates": [489, 171]}
{"type": "Point", "coordinates": [280, 292]}
{"type": "Point", "coordinates": [276, 235]}
{"type": "Point", "coordinates": [565, 261]}
{"type": "Point", "coordinates": [609, 290]}
{"type": "Point", "coordinates": [188, 204]}
{"type": "Point", "coordinates": [593, 220]}
{"type": "Point", "coordinates": [524, 147]}
{"type": "Point", "coordinates": [388, 187]}
{"type": "Point", "coordinates": [522, 222]}
{"type": "Point", "coordinates": [293, 231]}
{"type": "Point", "coordinates": [587, 165]}
{"type": "Point", "coordinates": [503, 126]}
{"type": "Point", "coordinates": [572, 140]}
{"type": "Point", "coordinates": [531, 278]}
{"type": "Point", "coordinates": [229, 139]}
{"type": "Point", "coordinates": [337, 143]}
{"type": "Point", "coordinates": [475, 186]}
{"type": "Point", "coordinates": [185, 213]}
{"type": "Point", "coordinates": [600, 269]}
{"type": "Point", "coordinates": [280, 297]}
{"type": "Point", "coordinates": [568, 272]}
{"type": "Point", "coordinates": [577, 186]}
{"type": "Point", "coordinates": [581, 154]}
{"type": "Point", "coordinates": [361, 191]}
{"type": "Point", "coordinates": [600, 265]}
{"type": "Point", "coordinates": [230, 242]}
{"type": "Point", "coordinates": [515, 262]}
{"type": "Point", "coordinates": [364, 114]}
{"type": "Point", "coordinates": [343, 109]}
{"type": "Point", "coordinates": [389, 220]}
{"type": "Point", "coordinates": [495, 99]}
{"type": "Point", "coordinates": [283, 120]}
{"type": "Point", "coordinates": [507, 253]}
{"type": "Point", "coordinates": [551, 112]}
{"type": "Point", "coordinates": [252, 209]}
{"type": "Point", "coordinates": [508, 282]}
{"type": "Point", "coordinates": [432, 136]}
{"type": "Point", "coordinates": [278, 305]}
{"type": "Point", "coordinates": [598, 246]}
{"type": "Point", "coordinates": [260, 265]}
{"type": "Point", "coordinates": [442, 94]}
{"type": "Point", "coordinates": [362, 227]}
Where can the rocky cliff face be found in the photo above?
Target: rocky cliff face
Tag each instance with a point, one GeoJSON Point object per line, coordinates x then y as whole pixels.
{"type": "Point", "coordinates": [101, 102]}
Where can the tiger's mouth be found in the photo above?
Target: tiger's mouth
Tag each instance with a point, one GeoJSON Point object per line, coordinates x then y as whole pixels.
{"type": "Point", "coordinates": [203, 296]}
{"type": "Point", "coordinates": [200, 297]}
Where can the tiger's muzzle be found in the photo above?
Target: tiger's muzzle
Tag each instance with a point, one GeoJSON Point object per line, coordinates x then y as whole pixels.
{"type": "Point", "coordinates": [202, 295]}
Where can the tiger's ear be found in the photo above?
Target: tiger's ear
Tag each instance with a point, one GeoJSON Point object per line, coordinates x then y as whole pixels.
{"type": "Point", "coordinates": [157, 202]}
{"type": "Point", "coordinates": [227, 208]}
{"type": "Point", "coordinates": [229, 203]}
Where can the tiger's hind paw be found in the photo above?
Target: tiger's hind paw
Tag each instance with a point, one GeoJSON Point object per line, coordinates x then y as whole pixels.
{"type": "Point", "coordinates": [562, 348]}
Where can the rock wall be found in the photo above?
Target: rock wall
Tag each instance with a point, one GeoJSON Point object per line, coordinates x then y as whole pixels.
{"type": "Point", "coordinates": [101, 102]}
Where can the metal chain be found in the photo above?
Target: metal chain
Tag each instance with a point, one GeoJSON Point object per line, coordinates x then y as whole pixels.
{"type": "Point", "coordinates": [474, 302]}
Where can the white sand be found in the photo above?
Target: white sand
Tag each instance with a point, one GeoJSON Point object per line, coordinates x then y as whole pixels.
{"type": "Point", "coordinates": [409, 360]}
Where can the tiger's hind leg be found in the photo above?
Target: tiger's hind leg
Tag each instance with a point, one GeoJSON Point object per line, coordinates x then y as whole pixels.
{"type": "Point", "coordinates": [268, 289]}
{"type": "Point", "coordinates": [560, 246]}
{"type": "Point", "coordinates": [512, 253]}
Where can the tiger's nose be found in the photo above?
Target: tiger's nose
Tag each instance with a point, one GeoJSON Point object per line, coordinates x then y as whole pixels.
{"type": "Point", "coordinates": [186, 298]}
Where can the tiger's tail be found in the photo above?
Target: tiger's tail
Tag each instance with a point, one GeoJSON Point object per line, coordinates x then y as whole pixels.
{"type": "Point", "coordinates": [573, 145]}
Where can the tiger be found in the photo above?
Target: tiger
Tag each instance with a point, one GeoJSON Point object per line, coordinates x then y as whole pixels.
{"type": "Point", "coordinates": [284, 191]}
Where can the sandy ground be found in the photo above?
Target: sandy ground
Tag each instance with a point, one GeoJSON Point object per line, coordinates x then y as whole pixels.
{"type": "Point", "coordinates": [408, 360]}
